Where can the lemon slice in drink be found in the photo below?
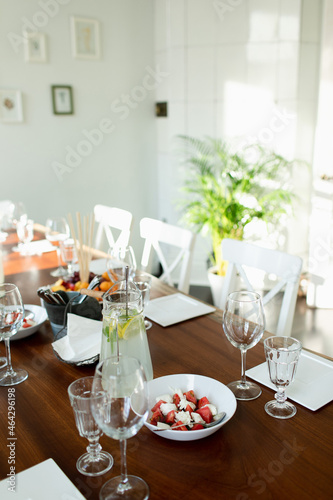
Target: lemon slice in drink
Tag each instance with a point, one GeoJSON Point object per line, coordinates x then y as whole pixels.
{"type": "Point", "coordinates": [128, 328]}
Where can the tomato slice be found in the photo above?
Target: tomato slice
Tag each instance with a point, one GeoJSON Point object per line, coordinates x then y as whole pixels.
{"type": "Point", "coordinates": [190, 396]}
{"type": "Point", "coordinates": [157, 405]}
{"type": "Point", "coordinates": [170, 418]}
{"type": "Point", "coordinates": [182, 426]}
{"type": "Point", "coordinates": [203, 401]}
{"type": "Point", "coordinates": [197, 427]}
{"type": "Point", "coordinates": [157, 416]}
{"type": "Point", "coordinates": [205, 413]}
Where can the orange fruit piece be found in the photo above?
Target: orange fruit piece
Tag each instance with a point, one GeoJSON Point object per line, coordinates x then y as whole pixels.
{"type": "Point", "coordinates": [56, 288]}
{"type": "Point", "coordinates": [84, 284]}
{"type": "Point", "coordinates": [106, 276]}
{"type": "Point", "coordinates": [104, 286]}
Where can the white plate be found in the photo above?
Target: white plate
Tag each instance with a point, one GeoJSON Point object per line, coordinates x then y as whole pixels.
{"type": "Point", "coordinates": [40, 317]}
{"type": "Point", "coordinates": [175, 308]}
{"type": "Point", "coordinates": [313, 384]}
{"type": "Point", "coordinates": [43, 481]}
{"type": "Point", "coordinates": [217, 393]}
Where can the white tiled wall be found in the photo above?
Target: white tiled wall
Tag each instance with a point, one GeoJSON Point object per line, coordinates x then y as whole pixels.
{"type": "Point", "coordinates": [237, 69]}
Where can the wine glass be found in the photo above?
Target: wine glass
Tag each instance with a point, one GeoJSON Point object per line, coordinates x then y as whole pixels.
{"type": "Point", "coordinates": [143, 282]}
{"type": "Point", "coordinates": [16, 213]}
{"type": "Point", "coordinates": [282, 354]}
{"type": "Point", "coordinates": [57, 230]}
{"type": "Point", "coordinates": [119, 257]}
{"type": "Point", "coordinates": [68, 255]}
{"type": "Point", "coordinates": [95, 462]}
{"type": "Point", "coordinates": [11, 319]}
{"type": "Point", "coordinates": [244, 325]}
{"type": "Point", "coordinates": [25, 233]}
{"type": "Point", "coordinates": [120, 414]}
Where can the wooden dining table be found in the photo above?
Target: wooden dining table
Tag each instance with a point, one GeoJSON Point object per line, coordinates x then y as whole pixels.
{"type": "Point", "coordinates": [253, 456]}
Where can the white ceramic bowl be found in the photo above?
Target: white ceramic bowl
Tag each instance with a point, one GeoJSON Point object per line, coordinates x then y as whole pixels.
{"type": "Point", "coordinates": [40, 317]}
{"type": "Point", "coordinates": [217, 393]}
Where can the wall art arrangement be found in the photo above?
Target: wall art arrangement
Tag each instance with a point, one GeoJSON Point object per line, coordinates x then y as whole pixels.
{"type": "Point", "coordinates": [62, 99]}
{"type": "Point", "coordinates": [11, 106]}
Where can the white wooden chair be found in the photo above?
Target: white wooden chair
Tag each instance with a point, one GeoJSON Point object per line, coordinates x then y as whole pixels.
{"type": "Point", "coordinates": [113, 223]}
{"type": "Point", "coordinates": [172, 238]}
{"type": "Point", "coordinates": [287, 268]}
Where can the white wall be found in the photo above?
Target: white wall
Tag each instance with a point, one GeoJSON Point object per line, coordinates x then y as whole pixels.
{"type": "Point", "coordinates": [236, 68]}
{"type": "Point", "coordinates": [121, 169]}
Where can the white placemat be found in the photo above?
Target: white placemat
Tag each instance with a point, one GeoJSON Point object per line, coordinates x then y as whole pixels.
{"type": "Point", "coordinates": [43, 481]}
{"type": "Point", "coordinates": [313, 384]}
{"type": "Point", "coordinates": [175, 308]}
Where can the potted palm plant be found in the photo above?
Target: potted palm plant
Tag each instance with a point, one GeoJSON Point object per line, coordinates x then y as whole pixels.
{"type": "Point", "coordinates": [227, 189]}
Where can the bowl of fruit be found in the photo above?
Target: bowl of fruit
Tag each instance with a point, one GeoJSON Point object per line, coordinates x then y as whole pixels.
{"type": "Point", "coordinates": [186, 407]}
{"type": "Point", "coordinates": [74, 284]}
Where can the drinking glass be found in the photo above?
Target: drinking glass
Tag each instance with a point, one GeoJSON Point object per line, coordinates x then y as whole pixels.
{"type": "Point", "coordinates": [57, 230]}
{"type": "Point", "coordinates": [95, 462]}
{"type": "Point", "coordinates": [11, 319]}
{"type": "Point", "coordinates": [244, 325]}
{"type": "Point", "coordinates": [143, 282]}
{"type": "Point", "coordinates": [282, 354]}
{"type": "Point", "coordinates": [68, 255]}
{"type": "Point", "coordinates": [119, 257]}
{"type": "Point", "coordinates": [17, 212]}
{"type": "Point", "coordinates": [25, 233]}
{"type": "Point", "coordinates": [120, 414]}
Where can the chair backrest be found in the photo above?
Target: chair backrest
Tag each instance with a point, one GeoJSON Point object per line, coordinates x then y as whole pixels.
{"type": "Point", "coordinates": [109, 218]}
{"type": "Point", "coordinates": [287, 268]}
{"type": "Point", "coordinates": [156, 232]}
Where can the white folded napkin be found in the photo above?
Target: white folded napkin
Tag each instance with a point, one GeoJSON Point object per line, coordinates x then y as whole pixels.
{"type": "Point", "coordinates": [36, 247]}
{"type": "Point", "coordinates": [83, 339]}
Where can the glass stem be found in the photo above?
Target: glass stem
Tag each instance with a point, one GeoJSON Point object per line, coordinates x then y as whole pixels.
{"type": "Point", "coordinates": [280, 396]}
{"type": "Point", "coordinates": [59, 257]}
{"type": "Point", "coordinates": [9, 358]}
{"type": "Point", "coordinates": [243, 366]}
{"type": "Point", "coordinates": [123, 486]}
{"type": "Point", "coordinates": [94, 449]}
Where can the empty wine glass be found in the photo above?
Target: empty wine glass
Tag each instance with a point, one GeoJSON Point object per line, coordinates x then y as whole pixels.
{"type": "Point", "coordinates": [244, 324]}
{"type": "Point", "coordinates": [143, 282]}
{"type": "Point", "coordinates": [11, 319]}
{"type": "Point", "coordinates": [16, 212]}
{"type": "Point", "coordinates": [282, 355]}
{"type": "Point", "coordinates": [120, 414]}
{"type": "Point", "coordinates": [119, 257]}
{"type": "Point", "coordinates": [57, 230]}
{"type": "Point", "coordinates": [25, 233]}
{"type": "Point", "coordinates": [95, 462]}
{"type": "Point", "coordinates": [69, 255]}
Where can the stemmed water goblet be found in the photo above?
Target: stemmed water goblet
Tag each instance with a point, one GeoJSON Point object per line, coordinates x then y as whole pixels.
{"type": "Point", "coordinates": [57, 230]}
{"type": "Point", "coordinates": [120, 414]}
{"type": "Point", "coordinates": [25, 233]}
{"type": "Point", "coordinates": [11, 319]}
{"type": "Point", "coordinates": [120, 257]}
{"type": "Point", "coordinates": [68, 255]}
{"type": "Point", "coordinates": [282, 355]}
{"type": "Point", "coordinates": [95, 462]}
{"type": "Point", "coordinates": [244, 324]}
{"type": "Point", "coordinates": [143, 282]}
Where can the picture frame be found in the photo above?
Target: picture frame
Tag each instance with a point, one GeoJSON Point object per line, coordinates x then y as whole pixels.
{"type": "Point", "coordinates": [85, 36]}
{"type": "Point", "coordinates": [62, 99]}
{"type": "Point", "coordinates": [35, 47]}
{"type": "Point", "coordinates": [11, 106]}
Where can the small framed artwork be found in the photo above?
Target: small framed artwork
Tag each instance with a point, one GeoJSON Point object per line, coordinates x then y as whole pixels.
{"type": "Point", "coordinates": [62, 100]}
{"type": "Point", "coordinates": [11, 106]}
{"type": "Point", "coordinates": [85, 38]}
{"type": "Point", "coordinates": [35, 47]}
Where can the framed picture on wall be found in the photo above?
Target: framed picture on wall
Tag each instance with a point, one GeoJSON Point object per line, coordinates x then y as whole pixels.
{"type": "Point", "coordinates": [35, 47]}
{"type": "Point", "coordinates": [11, 106]}
{"type": "Point", "coordinates": [85, 35]}
{"type": "Point", "coordinates": [62, 100]}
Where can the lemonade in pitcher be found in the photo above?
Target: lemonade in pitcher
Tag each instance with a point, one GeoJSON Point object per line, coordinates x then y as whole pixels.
{"type": "Point", "coordinates": [123, 326]}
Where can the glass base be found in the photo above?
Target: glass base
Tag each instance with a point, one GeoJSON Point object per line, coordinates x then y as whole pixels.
{"type": "Point", "coordinates": [94, 466]}
{"type": "Point", "coordinates": [13, 377]}
{"type": "Point", "coordinates": [148, 324]}
{"type": "Point", "coordinates": [280, 410]}
{"type": "Point", "coordinates": [58, 273]}
{"type": "Point", "coordinates": [135, 489]}
{"type": "Point", "coordinates": [244, 392]}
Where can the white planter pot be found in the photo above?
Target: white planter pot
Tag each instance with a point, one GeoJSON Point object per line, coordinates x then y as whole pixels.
{"type": "Point", "coordinates": [216, 284]}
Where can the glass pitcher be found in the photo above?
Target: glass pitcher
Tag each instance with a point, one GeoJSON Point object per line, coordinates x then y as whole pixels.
{"type": "Point", "coordinates": [123, 325]}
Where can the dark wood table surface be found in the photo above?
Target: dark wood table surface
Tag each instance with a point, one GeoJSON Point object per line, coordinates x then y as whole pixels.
{"type": "Point", "coordinates": [252, 457]}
